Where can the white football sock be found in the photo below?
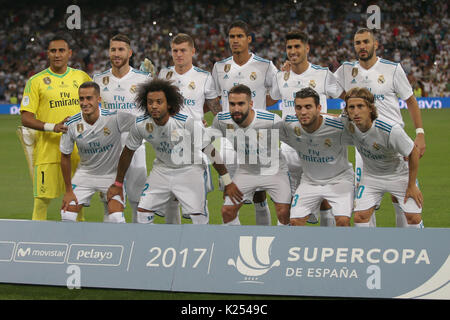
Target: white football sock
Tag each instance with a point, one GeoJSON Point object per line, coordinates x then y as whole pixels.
{"type": "Point", "coordinates": [68, 216]}
{"type": "Point", "coordinates": [400, 218]}
{"type": "Point", "coordinates": [134, 206]}
{"type": "Point", "coordinates": [235, 222]}
{"type": "Point", "coordinates": [116, 217]}
{"type": "Point", "coordinates": [262, 213]}
{"type": "Point", "coordinates": [199, 219]}
{"type": "Point", "coordinates": [145, 217]}
{"type": "Point", "coordinates": [416, 226]}
{"type": "Point", "coordinates": [327, 218]}
{"type": "Point", "coordinates": [362, 224]}
{"type": "Point", "coordinates": [172, 214]}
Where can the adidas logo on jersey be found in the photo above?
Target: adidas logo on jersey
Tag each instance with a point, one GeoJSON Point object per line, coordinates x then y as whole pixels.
{"type": "Point", "coordinates": [226, 77]}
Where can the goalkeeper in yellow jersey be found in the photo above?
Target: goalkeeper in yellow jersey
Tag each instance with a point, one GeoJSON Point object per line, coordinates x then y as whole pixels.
{"type": "Point", "coordinates": [49, 98]}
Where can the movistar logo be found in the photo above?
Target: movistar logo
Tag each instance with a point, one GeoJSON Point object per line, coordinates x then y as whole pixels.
{"type": "Point", "coordinates": [254, 257]}
{"type": "Point", "coordinates": [22, 253]}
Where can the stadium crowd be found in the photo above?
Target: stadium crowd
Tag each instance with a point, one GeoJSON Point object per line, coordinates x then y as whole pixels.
{"type": "Point", "coordinates": [414, 33]}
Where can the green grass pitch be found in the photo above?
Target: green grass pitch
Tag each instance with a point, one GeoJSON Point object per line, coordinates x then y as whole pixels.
{"type": "Point", "coordinates": [17, 203]}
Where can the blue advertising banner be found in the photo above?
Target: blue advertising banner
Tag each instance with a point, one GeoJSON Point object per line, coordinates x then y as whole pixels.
{"type": "Point", "coordinates": [305, 261]}
{"type": "Point", "coordinates": [424, 103]}
{"type": "Point", "coordinates": [332, 104]}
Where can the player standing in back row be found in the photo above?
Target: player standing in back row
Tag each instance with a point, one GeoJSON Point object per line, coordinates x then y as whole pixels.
{"type": "Point", "coordinates": [244, 67]}
{"type": "Point", "coordinates": [387, 81]}
{"type": "Point", "coordinates": [197, 87]}
{"type": "Point", "coordinates": [303, 74]}
{"type": "Point", "coordinates": [118, 87]}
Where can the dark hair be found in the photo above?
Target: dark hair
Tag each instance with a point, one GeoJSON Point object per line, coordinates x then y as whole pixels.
{"type": "Point", "coordinates": [173, 96]}
{"type": "Point", "coordinates": [241, 88]}
{"type": "Point", "coordinates": [59, 36]}
{"type": "Point", "coordinates": [308, 93]}
{"type": "Point", "coordinates": [240, 24]}
{"type": "Point", "coordinates": [122, 38]}
{"type": "Point", "coordinates": [183, 37]}
{"type": "Point", "coordinates": [365, 30]}
{"type": "Point", "coordinates": [297, 35]}
{"type": "Point", "coordinates": [90, 84]}
{"type": "Point", "coordinates": [364, 94]}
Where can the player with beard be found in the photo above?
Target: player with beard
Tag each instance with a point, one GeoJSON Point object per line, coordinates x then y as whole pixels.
{"type": "Point", "coordinates": [253, 133]}
{"type": "Point", "coordinates": [387, 81]}
{"type": "Point", "coordinates": [321, 142]}
{"type": "Point", "coordinates": [303, 74]}
{"type": "Point", "coordinates": [244, 67]}
{"type": "Point", "coordinates": [118, 87]}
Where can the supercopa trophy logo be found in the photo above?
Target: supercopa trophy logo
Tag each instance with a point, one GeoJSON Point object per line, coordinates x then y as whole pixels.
{"type": "Point", "coordinates": [254, 258]}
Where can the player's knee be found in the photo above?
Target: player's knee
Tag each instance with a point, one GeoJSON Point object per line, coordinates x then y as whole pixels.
{"type": "Point", "coordinates": [259, 196]}
{"type": "Point", "coordinates": [394, 199]}
{"type": "Point", "coordinates": [413, 218]}
{"type": "Point", "coordinates": [342, 221]}
{"type": "Point", "coordinates": [298, 221]}
{"type": "Point", "coordinates": [362, 216]}
{"type": "Point", "coordinates": [283, 213]}
{"type": "Point", "coordinates": [115, 204]}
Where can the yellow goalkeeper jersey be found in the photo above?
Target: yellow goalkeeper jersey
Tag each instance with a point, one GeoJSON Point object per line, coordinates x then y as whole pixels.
{"type": "Point", "coordinates": [52, 97]}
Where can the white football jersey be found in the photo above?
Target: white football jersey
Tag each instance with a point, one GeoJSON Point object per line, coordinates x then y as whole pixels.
{"type": "Point", "coordinates": [119, 93]}
{"type": "Point", "coordinates": [99, 144]}
{"type": "Point", "coordinates": [257, 74]}
{"type": "Point", "coordinates": [180, 134]}
{"type": "Point", "coordinates": [287, 83]}
{"type": "Point", "coordinates": [323, 153]}
{"type": "Point", "coordinates": [385, 79]}
{"type": "Point", "coordinates": [382, 147]}
{"type": "Point", "coordinates": [196, 85]}
{"type": "Point", "coordinates": [257, 145]}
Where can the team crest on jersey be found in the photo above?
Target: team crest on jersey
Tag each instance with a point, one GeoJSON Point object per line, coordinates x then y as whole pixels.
{"type": "Point", "coordinates": [351, 128]}
{"type": "Point", "coordinates": [133, 88]}
{"type": "Point", "coordinates": [327, 142]}
{"type": "Point", "coordinates": [376, 146]}
{"type": "Point", "coordinates": [106, 131]}
{"type": "Point", "coordinates": [253, 76]}
{"type": "Point", "coordinates": [286, 75]}
{"type": "Point", "coordinates": [192, 85]}
{"type": "Point", "coordinates": [312, 83]}
{"type": "Point", "coordinates": [80, 128]}
{"type": "Point", "coordinates": [175, 135]}
{"type": "Point", "coordinates": [230, 127]}
{"type": "Point", "coordinates": [47, 80]}
{"type": "Point", "coordinates": [169, 75]}
{"type": "Point", "coordinates": [354, 72]}
{"type": "Point", "coordinates": [297, 131]}
{"type": "Point", "coordinates": [227, 67]}
{"type": "Point", "coordinates": [105, 80]}
{"type": "Point", "coordinates": [149, 127]}
{"type": "Point", "coordinates": [381, 79]}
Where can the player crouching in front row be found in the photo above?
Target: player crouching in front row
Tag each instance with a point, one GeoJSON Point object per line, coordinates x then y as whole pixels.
{"type": "Point", "coordinates": [97, 135]}
{"type": "Point", "coordinates": [383, 146]}
{"type": "Point", "coordinates": [172, 175]}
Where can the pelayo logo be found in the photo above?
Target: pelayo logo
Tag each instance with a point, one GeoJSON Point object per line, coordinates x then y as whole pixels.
{"type": "Point", "coordinates": [254, 257]}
